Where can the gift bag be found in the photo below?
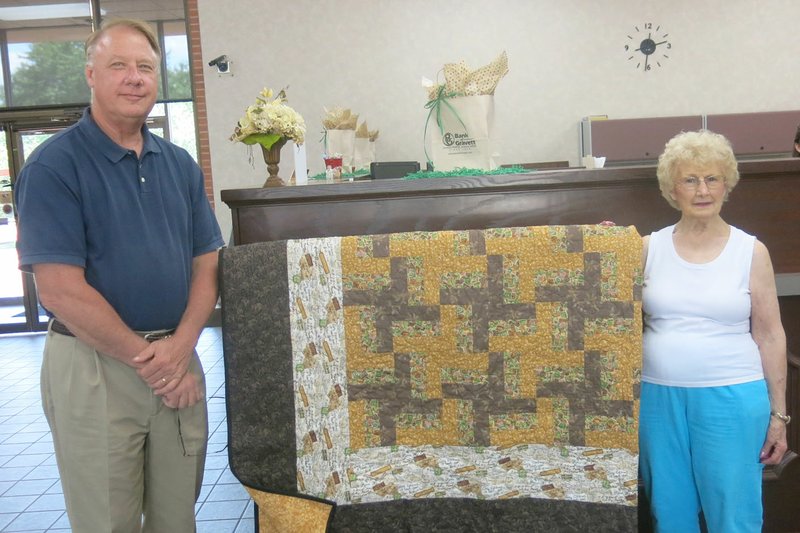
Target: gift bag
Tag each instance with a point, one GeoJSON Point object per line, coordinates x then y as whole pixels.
{"type": "Point", "coordinates": [460, 123]}
{"type": "Point", "coordinates": [340, 133]}
{"type": "Point", "coordinates": [341, 142]}
{"type": "Point", "coordinates": [364, 147]}
{"type": "Point", "coordinates": [460, 135]}
{"type": "Point", "coordinates": [363, 153]}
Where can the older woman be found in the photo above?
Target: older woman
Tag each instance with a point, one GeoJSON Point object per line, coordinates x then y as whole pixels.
{"type": "Point", "coordinates": [714, 372]}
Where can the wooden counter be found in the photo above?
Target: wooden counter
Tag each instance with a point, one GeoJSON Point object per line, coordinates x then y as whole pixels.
{"type": "Point", "coordinates": [765, 203]}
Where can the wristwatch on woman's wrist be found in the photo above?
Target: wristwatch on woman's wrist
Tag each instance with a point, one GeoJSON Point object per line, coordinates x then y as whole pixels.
{"type": "Point", "coordinates": [782, 417]}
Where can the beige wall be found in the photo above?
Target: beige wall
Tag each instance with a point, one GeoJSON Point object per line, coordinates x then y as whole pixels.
{"type": "Point", "coordinates": [566, 61]}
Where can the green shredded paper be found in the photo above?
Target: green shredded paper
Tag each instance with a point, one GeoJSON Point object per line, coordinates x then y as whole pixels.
{"type": "Point", "coordinates": [425, 174]}
{"type": "Point", "coordinates": [345, 175]}
{"type": "Point", "coordinates": [459, 172]}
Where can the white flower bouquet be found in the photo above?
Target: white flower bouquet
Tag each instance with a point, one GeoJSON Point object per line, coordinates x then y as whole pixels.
{"type": "Point", "coordinates": [268, 121]}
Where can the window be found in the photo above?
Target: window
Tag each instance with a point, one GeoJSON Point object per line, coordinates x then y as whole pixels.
{"type": "Point", "coordinates": [46, 66]}
{"type": "Point", "coordinates": [178, 83]}
{"type": "Point", "coordinates": [42, 59]}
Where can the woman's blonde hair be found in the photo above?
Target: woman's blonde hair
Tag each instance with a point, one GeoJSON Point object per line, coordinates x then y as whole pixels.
{"type": "Point", "coordinates": [701, 147]}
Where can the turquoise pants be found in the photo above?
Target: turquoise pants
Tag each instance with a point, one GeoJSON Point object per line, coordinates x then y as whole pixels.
{"type": "Point", "coordinates": [700, 451]}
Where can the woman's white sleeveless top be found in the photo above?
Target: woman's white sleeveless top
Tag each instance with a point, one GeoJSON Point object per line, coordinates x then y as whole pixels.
{"type": "Point", "coordinates": [697, 316]}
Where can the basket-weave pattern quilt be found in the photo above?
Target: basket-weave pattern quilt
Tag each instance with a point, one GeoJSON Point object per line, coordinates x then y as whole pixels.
{"type": "Point", "coordinates": [440, 381]}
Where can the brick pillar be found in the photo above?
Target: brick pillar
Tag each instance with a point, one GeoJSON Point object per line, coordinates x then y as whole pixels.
{"type": "Point", "coordinates": [199, 95]}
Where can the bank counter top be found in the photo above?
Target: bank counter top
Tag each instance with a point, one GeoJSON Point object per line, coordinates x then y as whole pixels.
{"type": "Point", "coordinates": [766, 203]}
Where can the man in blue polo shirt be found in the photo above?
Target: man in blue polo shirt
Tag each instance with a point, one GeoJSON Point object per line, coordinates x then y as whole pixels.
{"type": "Point", "coordinates": [115, 224]}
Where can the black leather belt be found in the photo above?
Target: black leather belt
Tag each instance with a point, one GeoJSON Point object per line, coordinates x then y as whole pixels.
{"type": "Point", "coordinates": [60, 328]}
{"type": "Point", "coordinates": [149, 336]}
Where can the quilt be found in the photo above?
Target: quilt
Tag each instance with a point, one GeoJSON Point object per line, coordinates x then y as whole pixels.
{"type": "Point", "coordinates": [476, 380]}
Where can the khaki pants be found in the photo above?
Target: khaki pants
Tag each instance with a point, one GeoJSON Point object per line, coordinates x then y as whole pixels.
{"type": "Point", "coordinates": [128, 463]}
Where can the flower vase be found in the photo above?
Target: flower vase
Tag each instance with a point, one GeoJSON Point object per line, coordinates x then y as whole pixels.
{"type": "Point", "coordinates": [272, 157]}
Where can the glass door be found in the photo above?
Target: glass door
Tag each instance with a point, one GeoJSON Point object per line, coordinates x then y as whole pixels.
{"type": "Point", "coordinates": [19, 304]}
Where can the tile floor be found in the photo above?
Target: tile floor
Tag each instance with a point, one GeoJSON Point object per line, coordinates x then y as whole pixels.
{"type": "Point", "coordinates": [30, 492]}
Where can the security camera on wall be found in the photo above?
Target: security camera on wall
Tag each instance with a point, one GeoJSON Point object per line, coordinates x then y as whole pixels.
{"type": "Point", "coordinates": [222, 63]}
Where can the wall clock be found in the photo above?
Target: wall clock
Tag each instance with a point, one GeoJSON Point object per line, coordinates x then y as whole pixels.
{"type": "Point", "coordinates": [648, 46]}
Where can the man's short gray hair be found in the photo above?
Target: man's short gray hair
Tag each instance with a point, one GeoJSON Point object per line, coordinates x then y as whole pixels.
{"type": "Point", "coordinates": [135, 24]}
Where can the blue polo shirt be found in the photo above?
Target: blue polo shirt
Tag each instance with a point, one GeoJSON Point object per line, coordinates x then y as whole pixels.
{"type": "Point", "coordinates": [134, 224]}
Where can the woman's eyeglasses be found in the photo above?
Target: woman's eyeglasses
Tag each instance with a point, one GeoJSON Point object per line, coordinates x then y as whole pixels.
{"type": "Point", "coordinates": [692, 183]}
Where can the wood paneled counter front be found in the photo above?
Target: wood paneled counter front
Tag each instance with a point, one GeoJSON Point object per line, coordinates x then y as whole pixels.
{"type": "Point", "coordinates": [765, 203]}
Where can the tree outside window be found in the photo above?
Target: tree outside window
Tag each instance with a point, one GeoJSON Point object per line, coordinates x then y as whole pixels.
{"type": "Point", "coordinates": [48, 73]}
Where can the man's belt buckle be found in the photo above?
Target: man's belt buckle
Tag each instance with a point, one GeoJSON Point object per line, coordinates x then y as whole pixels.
{"type": "Point", "coordinates": [158, 335]}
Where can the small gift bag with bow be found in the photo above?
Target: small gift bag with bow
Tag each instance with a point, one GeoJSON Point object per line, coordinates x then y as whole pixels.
{"type": "Point", "coordinates": [460, 123]}
{"type": "Point", "coordinates": [340, 134]}
{"type": "Point", "coordinates": [364, 147]}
